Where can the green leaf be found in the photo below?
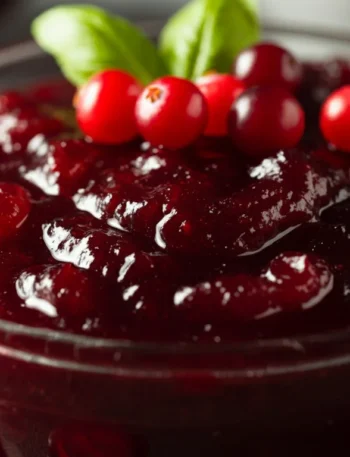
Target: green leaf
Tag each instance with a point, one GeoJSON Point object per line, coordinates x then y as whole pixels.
{"type": "Point", "coordinates": [207, 35]}
{"type": "Point", "coordinates": [85, 40]}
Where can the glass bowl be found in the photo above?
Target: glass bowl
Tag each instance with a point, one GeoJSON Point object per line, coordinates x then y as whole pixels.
{"type": "Point", "coordinates": [179, 399]}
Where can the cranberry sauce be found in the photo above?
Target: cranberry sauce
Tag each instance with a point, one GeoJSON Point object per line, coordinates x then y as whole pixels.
{"type": "Point", "coordinates": [144, 243]}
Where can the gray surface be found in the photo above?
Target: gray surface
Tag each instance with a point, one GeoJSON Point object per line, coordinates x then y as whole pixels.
{"type": "Point", "coordinates": [16, 15]}
{"type": "Point", "coordinates": [325, 15]}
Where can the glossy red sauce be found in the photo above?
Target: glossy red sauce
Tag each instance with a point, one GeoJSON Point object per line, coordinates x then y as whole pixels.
{"type": "Point", "coordinates": [142, 243]}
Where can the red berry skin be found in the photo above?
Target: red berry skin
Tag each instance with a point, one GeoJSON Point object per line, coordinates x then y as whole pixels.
{"type": "Point", "coordinates": [335, 119]}
{"type": "Point", "coordinates": [105, 107]}
{"type": "Point", "coordinates": [14, 209]}
{"type": "Point", "coordinates": [264, 120]}
{"type": "Point", "coordinates": [266, 64]}
{"type": "Point", "coordinates": [220, 91]}
{"type": "Point", "coordinates": [171, 112]}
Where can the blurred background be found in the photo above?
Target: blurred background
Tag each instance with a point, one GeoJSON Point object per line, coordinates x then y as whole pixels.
{"type": "Point", "coordinates": [16, 15]}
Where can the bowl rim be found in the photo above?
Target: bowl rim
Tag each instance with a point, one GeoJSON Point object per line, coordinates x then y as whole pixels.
{"type": "Point", "coordinates": [298, 345]}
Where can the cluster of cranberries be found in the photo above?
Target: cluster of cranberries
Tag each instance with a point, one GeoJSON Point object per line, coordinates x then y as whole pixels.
{"type": "Point", "coordinates": [255, 106]}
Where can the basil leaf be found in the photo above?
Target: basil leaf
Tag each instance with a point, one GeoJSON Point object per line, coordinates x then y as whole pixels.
{"type": "Point", "coordinates": [86, 39]}
{"type": "Point", "coordinates": [207, 35]}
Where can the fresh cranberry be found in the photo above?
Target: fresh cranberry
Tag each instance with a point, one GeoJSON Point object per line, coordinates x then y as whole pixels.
{"type": "Point", "coordinates": [171, 112]}
{"type": "Point", "coordinates": [264, 120]}
{"type": "Point", "coordinates": [266, 64]}
{"type": "Point", "coordinates": [335, 117]}
{"type": "Point", "coordinates": [89, 441]}
{"type": "Point", "coordinates": [220, 91]}
{"type": "Point", "coordinates": [14, 209]}
{"type": "Point", "coordinates": [319, 81]}
{"type": "Point", "coordinates": [105, 107]}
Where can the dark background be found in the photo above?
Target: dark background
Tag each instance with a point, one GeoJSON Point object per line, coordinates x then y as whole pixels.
{"type": "Point", "coordinates": [16, 15]}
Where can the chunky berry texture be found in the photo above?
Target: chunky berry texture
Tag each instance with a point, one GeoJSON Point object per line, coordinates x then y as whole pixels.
{"type": "Point", "coordinates": [17, 129]}
{"type": "Point", "coordinates": [335, 116]}
{"type": "Point", "coordinates": [58, 289]}
{"type": "Point", "coordinates": [60, 167]}
{"type": "Point", "coordinates": [267, 64]}
{"type": "Point", "coordinates": [83, 242]}
{"type": "Point", "coordinates": [220, 91]}
{"type": "Point", "coordinates": [171, 112]}
{"type": "Point", "coordinates": [105, 107]}
{"type": "Point", "coordinates": [292, 281]}
{"type": "Point", "coordinates": [213, 242]}
{"type": "Point", "coordinates": [264, 120]}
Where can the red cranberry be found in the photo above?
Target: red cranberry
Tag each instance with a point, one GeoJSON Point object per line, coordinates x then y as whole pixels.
{"type": "Point", "coordinates": [268, 65]}
{"type": "Point", "coordinates": [220, 91]}
{"type": "Point", "coordinates": [264, 120]}
{"type": "Point", "coordinates": [335, 118]}
{"type": "Point", "coordinates": [14, 209]}
{"type": "Point", "coordinates": [105, 107]}
{"type": "Point", "coordinates": [171, 112]}
{"type": "Point", "coordinates": [89, 441]}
